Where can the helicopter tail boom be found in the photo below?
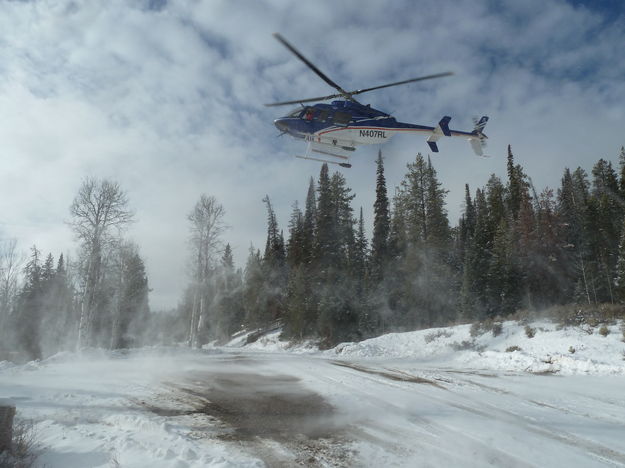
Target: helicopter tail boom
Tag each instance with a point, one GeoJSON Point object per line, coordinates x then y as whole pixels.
{"type": "Point", "coordinates": [476, 137]}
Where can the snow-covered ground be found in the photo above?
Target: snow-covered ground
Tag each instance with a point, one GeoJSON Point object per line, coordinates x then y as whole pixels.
{"type": "Point", "coordinates": [429, 398]}
{"type": "Point", "coordinates": [553, 349]}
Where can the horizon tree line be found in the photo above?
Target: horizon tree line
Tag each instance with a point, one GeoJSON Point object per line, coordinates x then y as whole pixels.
{"type": "Point", "coordinates": [512, 248]}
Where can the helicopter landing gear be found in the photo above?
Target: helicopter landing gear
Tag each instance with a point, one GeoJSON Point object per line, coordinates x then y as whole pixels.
{"type": "Point", "coordinates": [328, 150]}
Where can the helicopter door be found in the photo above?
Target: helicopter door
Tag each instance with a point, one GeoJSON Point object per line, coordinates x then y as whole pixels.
{"type": "Point", "coordinates": [341, 118]}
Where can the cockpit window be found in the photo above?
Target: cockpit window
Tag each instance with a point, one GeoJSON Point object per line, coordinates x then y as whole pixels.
{"type": "Point", "coordinates": [308, 113]}
{"type": "Point", "coordinates": [341, 118]}
{"type": "Point", "coordinates": [321, 115]}
{"type": "Point", "coordinates": [295, 113]}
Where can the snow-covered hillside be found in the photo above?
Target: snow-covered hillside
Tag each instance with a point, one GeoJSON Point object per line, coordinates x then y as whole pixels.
{"type": "Point", "coordinates": [538, 347]}
{"type": "Point", "coordinates": [566, 351]}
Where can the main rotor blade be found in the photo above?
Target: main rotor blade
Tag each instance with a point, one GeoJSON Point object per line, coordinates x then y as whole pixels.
{"type": "Point", "coordinates": [311, 66]}
{"type": "Point", "coordinates": [397, 83]}
{"type": "Point", "coordinates": [301, 101]}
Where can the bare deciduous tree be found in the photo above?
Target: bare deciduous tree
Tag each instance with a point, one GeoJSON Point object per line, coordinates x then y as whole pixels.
{"type": "Point", "coordinates": [206, 228]}
{"type": "Point", "coordinates": [10, 263]}
{"type": "Point", "coordinates": [99, 214]}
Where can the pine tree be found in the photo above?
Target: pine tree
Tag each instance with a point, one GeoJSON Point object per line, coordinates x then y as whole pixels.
{"type": "Point", "coordinates": [274, 267]}
{"type": "Point", "coordinates": [229, 314]}
{"type": "Point", "coordinates": [132, 310]}
{"type": "Point", "coordinates": [63, 309]}
{"type": "Point", "coordinates": [469, 212]}
{"type": "Point", "coordinates": [336, 247]}
{"type": "Point", "coordinates": [301, 313]}
{"type": "Point", "coordinates": [621, 162]}
{"type": "Point", "coordinates": [47, 270]}
{"type": "Point", "coordinates": [51, 315]}
{"type": "Point", "coordinates": [295, 252]}
{"type": "Point", "coordinates": [466, 226]}
{"type": "Point", "coordinates": [359, 262]}
{"type": "Point", "coordinates": [274, 247]}
{"type": "Point", "coordinates": [381, 224]}
{"type": "Point", "coordinates": [326, 249]}
{"type": "Point", "coordinates": [310, 224]}
{"type": "Point", "coordinates": [551, 264]}
{"type": "Point", "coordinates": [412, 196]}
{"type": "Point", "coordinates": [476, 264]}
{"type": "Point", "coordinates": [526, 242]}
{"type": "Point", "coordinates": [494, 193]}
{"type": "Point", "coordinates": [254, 291]}
{"type": "Point", "coordinates": [503, 295]}
{"type": "Point", "coordinates": [343, 221]}
{"type": "Point", "coordinates": [297, 305]}
{"type": "Point", "coordinates": [517, 186]}
{"type": "Point", "coordinates": [619, 281]}
{"type": "Point", "coordinates": [227, 260]}
{"type": "Point", "coordinates": [392, 294]}
{"type": "Point", "coordinates": [572, 209]}
{"type": "Point", "coordinates": [439, 234]}
{"type": "Point", "coordinates": [30, 307]}
{"type": "Point", "coordinates": [424, 267]}
{"type": "Point", "coordinates": [605, 202]}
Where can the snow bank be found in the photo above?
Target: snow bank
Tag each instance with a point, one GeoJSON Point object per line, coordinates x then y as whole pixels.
{"type": "Point", "coordinates": [566, 351]}
{"type": "Point", "coordinates": [270, 342]}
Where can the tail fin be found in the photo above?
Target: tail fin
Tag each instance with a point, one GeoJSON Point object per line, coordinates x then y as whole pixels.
{"type": "Point", "coordinates": [478, 139]}
{"type": "Point", "coordinates": [480, 124]}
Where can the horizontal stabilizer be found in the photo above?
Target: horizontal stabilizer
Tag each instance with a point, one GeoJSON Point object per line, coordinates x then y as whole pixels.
{"type": "Point", "coordinates": [444, 125]}
{"type": "Point", "coordinates": [433, 146]}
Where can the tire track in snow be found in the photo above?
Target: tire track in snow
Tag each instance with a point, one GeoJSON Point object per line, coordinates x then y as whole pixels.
{"type": "Point", "coordinates": [427, 433]}
{"type": "Point", "coordinates": [598, 451]}
{"type": "Point", "coordinates": [521, 398]}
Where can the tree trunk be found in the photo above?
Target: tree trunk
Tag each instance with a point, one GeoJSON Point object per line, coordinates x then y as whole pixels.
{"type": "Point", "coordinates": [6, 427]}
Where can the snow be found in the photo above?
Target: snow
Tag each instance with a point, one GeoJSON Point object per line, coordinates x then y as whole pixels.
{"type": "Point", "coordinates": [566, 351]}
{"type": "Point", "coordinates": [271, 342]}
{"type": "Point", "coordinates": [436, 397]}
{"type": "Point", "coordinates": [84, 412]}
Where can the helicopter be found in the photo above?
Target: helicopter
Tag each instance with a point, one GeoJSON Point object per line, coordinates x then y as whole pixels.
{"type": "Point", "coordinates": [335, 130]}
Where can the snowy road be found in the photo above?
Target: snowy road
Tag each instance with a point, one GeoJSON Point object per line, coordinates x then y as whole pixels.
{"type": "Point", "coordinates": [242, 408]}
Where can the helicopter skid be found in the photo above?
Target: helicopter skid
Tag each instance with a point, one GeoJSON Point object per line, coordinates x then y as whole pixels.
{"type": "Point", "coordinates": [347, 165]}
{"type": "Point", "coordinates": [327, 150]}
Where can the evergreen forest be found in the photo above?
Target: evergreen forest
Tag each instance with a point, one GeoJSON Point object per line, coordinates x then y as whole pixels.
{"type": "Point", "coordinates": [321, 276]}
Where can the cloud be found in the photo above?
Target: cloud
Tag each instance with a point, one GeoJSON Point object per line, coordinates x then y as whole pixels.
{"type": "Point", "coordinates": [166, 97]}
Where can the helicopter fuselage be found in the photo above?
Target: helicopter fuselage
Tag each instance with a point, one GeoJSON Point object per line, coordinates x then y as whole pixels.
{"type": "Point", "coordinates": [347, 124]}
{"type": "Point", "coordinates": [335, 128]}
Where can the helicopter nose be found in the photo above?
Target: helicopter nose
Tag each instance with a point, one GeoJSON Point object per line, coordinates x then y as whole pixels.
{"type": "Point", "coordinates": [281, 125]}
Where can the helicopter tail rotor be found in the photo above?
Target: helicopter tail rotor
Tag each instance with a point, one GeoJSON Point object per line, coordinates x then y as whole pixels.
{"type": "Point", "coordinates": [480, 124]}
{"type": "Point", "coordinates": [478, 138]}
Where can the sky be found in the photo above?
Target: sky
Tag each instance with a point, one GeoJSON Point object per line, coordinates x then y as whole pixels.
{"type": "Point", "coordinates": [166, 98]}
